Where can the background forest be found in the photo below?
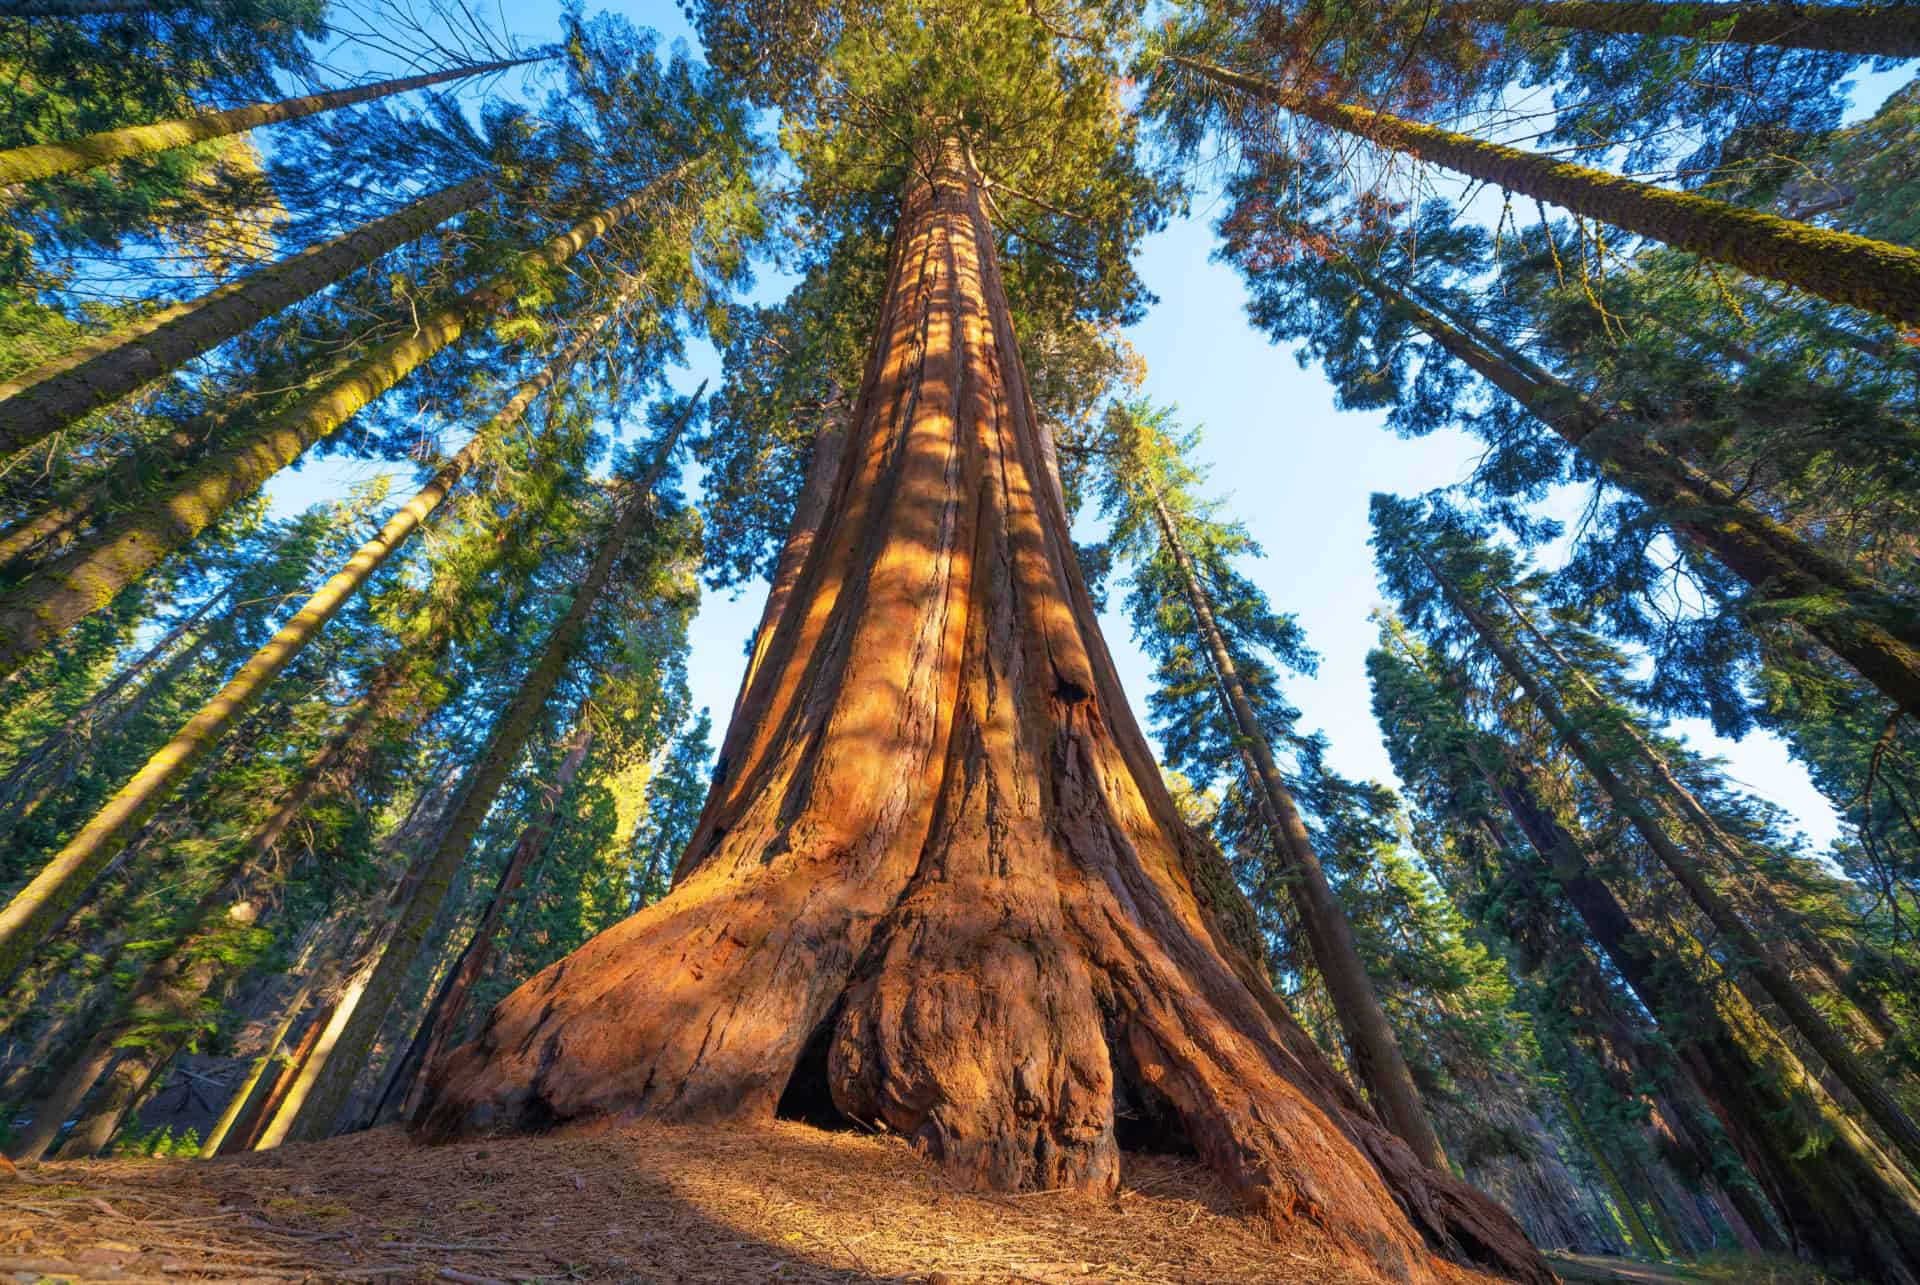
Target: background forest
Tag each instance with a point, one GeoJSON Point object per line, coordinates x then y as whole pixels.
{"type": "Point", "coordinates": [1488, 433]}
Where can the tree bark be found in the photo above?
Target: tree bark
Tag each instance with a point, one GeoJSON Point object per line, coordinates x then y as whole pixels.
{"type": "Point", "coordinates": [244, 1092]}
{"type": "Point", "coordinates": [1839, 266]}
{"type": "Point", "coordinates": [1374, 1052]}
{"type": "Point", "coordinates": [1845, 1201]}
{"type": "Point", "coordinates": [940, 878]}
{"type": "Point", "coordinates": [26, 919]}
{"type": "Point", "coordinates": [45, 160]}
{"type": "Point", "coordinates": [1875, 634]}
{"type": "Point", "coordinates": [406, 1086]}
{"type": "Point", "coordinates": [47, 398]}
{"type": "Point", "coordinates": [809, 511]}
{"type": "Point", "coordinates": [349, 1052]}
{"type": "Point", "coordinates": [42, 608]}
{"type": "Point", "coordinates": [1870, 31]}
{"type": "Point", "coordinates": [1753, 957]}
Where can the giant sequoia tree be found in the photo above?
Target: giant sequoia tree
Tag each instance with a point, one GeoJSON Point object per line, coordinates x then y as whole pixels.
{"type": "Point", "coordinates": [938, 876]}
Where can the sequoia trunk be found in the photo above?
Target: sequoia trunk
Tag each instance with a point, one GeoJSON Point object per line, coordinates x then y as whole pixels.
{"type": "Point", "coordinates": [939, 878]}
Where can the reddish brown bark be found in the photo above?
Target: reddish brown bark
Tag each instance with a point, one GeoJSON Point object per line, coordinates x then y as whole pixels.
{"type": "Point", "coordinates": [941, 859]}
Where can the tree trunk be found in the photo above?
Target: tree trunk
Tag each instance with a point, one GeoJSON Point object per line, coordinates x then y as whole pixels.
{"type": "Point", "coordinates": [350, 1051]}
{"type": "Point", "coordinates": [53, 763]}
{"type": "Point", "coordinates": [25, 921]}
{"type": "Point", "coordinates": [1639, 1235]}
{"type": "Point", "coordinates": [1870, 31]}
{"type": "Point", "coordinates": [941, 879]}
{"type": "Point", "coordinates": [1846, 1201]}
{"type": "Point", "coordinates": [244, 1093]}
{"type": "Point", "coordinates": [405, 1086]}
{"type": "Point", "coordinates": [42, 608]}
{"type": "Point", "coordinates": [47, 398]}
{"type": "Point", "coordinates": [1753, 957]}
{"type": "Point", "coordinates": [1374, 1052]}
{"type": "Point", "coordinates": [1874, 632]}
{"type": "Point", "coordinates": [62, 1099]}
{"type": "Point", "coordinates": [1874, 1024]}
{"type": "Point", "coordinates": [45, 160]}
{"type": "Point", "coordinates": [1838, 266]}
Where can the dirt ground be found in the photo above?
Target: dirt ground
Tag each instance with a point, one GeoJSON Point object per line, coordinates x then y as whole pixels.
{"type": "Point", "coordinates": [786, 1203]}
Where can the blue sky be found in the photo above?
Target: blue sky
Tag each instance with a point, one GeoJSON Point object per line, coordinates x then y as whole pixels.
{"type": "Point", "coordinates": [1297, 471]}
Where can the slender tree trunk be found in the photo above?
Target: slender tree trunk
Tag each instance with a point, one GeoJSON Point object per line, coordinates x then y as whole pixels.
{"type": "Point", "coordinates": [54, 762]}
{"type": "Point", "coordinates": [1752, 956]}
{"type": "Point", "coordinates": [1377, 1060]}
{"type": "Point", "coordinates": [1874, 633]}
{"type": "Point", "coordinates": [406, 1086]}
{"type": "Point", "coordinates": [42, 608]}
{"type": "Point", "coordinates": [62, 1099]}
{"type": "Point", "coordinates": [1847, 1201]}
{"type": "Point", "coordinates": [1639, 1235]}
{"type": "Point", "coordinates": [351, 1049]}
{"type": "Point", "coordinates": [1838, 266]}
{"type": "Point", "coordinates": [124, 1087]}
{"type": "Point", "coordinates": [244, 1093]}
{"type": "Point", "coordinates": [45, 160]}
{"type": "Point", "coordinates": [49, 397]}
{"type": "Point", "coordinates": [1871, 31]}
{"type": "Point", "coordinates": [1876, 1024]}
{"type": "Point", "coordinates": [941, 879]}
{"type": "Point", "coordinates": [24, 922]}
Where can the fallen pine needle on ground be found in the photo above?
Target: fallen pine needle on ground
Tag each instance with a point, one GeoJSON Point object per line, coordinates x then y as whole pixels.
{"type": "Point", "coordinates": [782, 1202]}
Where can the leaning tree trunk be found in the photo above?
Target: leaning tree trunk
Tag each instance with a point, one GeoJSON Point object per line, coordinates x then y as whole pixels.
{"type": "Point", "coordinates": [349, 1052]}
{"type": "Point", "coordinates": [42, 608]}
{"type": "Point", "coordinates": [1756, 958]}
{"type": "Point", "coordinates": [1376, 1055]}
{"type": "Point", "coordinates": [245, 1092]}
{"type": "Point", "coordinates": [405, 1085]}
{"type": "Point", "coordinates": [47, 398]}
{"type": "Point", "coordinates": [940, 878]}
{"type": "Point", "coordinates": [44, 160]}
{"type": "Point", "coordinates": [1873, 1022]}
{"type": "Point", "coordinates": [29, 916]}
{"type": "Point", "coordinates": [1870, 31]}
{"type": "Point", "coordinates": [1839, 1196]}
{"type": "Point", "coordinates": [1874, 633]}
{"type": "Point", "coordinates": [1863, 273]}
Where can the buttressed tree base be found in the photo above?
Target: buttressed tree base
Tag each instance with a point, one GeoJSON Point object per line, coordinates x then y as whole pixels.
{"type": "Point", "coordinates": [938, 875]}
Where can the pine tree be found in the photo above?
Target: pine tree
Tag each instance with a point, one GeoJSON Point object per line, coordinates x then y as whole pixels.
{"type": "Point", "coordinates": [1170, 533]}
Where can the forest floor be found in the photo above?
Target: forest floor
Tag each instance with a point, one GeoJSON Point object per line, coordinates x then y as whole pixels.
{"type": "Point", "coordinates": [786, 1203]}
